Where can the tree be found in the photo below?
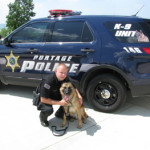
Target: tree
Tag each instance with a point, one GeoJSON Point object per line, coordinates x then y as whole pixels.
{"type": "Point", "coordinates": [20, 12]}
{"type": "Point", "coordinates": [4, 32]}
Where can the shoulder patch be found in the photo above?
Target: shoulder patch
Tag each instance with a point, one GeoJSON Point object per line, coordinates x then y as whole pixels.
{"type": "Point", "coordinates": [47, 86]}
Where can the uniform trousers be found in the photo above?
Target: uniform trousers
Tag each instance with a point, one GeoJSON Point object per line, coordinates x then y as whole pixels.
{"type": "Point", "coordinates": [47, 110]}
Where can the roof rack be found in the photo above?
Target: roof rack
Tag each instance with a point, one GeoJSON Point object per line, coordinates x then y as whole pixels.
{"type": "Point", "coordinates": [63, 12]}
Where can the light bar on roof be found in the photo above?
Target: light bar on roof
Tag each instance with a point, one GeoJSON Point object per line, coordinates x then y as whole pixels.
{"type": "Point", "coordinates": [63, 12]}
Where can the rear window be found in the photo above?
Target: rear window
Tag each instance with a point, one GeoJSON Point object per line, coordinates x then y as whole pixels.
{"type": "Point", "coordinates": [71, 32]}
{"type": "Point", "coordinates": [128, 32]}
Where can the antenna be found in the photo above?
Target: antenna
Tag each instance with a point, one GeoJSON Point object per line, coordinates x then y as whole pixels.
{"type": "Point", "coordinates": [138, 10]}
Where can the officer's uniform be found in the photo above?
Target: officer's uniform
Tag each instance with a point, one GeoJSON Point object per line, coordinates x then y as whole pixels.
{"type": "Point", "coordinates": [50, 89]}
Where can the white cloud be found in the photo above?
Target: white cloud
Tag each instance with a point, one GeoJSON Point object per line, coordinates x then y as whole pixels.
{"type": "Point", "coordinates": [69, 1]}
{"type": "Point", "coordinates": [39, 9]}
{"type": "Point", "coordinates": [4, 10]}
{"type": "Point", "coordinates": [88, 7]}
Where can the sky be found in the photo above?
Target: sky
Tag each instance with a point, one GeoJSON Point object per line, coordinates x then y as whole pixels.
{"type": "Point", "coordinates": [87, 7]}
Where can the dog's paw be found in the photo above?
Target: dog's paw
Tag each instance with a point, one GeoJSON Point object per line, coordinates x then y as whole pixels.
{"type": "Point", "coordinates": [63, 125]}
{"type": "Point", "coordinates": [84, 121]}
{"type": "Point", "coordinates": [79, 126]}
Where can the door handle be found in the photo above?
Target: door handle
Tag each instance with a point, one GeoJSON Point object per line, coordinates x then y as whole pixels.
{"type": "Point", "coordinates": [87, 50]}
{"type": "Point", "coordinates": [32, 50]}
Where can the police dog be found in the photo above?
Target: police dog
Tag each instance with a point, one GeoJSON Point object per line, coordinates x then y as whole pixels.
{"type": "Point", "coordinates": [73, 107]}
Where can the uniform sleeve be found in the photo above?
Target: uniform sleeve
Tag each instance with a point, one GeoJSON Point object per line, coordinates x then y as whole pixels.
{"type": "Point", "coordinates": [45, 88]}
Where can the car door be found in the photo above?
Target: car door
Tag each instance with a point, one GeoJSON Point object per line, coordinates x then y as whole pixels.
{"type": "Point", "coordinates": [72, 43]}
{"type": "Point", "coordinates": [19, 54]}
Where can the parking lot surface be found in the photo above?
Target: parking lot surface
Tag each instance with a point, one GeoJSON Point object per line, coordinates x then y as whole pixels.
{"type": "Point", "coordinates": [20, 129]}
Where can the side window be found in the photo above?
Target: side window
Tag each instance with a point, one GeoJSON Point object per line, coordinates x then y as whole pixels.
{"type": "Point", "coordinates": [87, 35]}
{"type": "Point", "coordinates": [31, 33]}
{"type": "Point", "coordinates": [129, 32]}
{"type": "Point", "coordinates": [67, 32]}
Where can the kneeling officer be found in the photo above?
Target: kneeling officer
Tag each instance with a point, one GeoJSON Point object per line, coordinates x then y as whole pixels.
{"type": "Point", "coordinates": [50, 94]}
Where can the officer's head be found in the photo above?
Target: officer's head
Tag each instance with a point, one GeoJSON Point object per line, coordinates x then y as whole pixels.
{"type": "Point", "coordinates": [61, 72]}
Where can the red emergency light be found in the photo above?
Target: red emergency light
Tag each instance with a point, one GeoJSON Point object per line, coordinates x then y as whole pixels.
{"type": "Point", "coordinates": [146, 50]}
{"type": "Point", "coordinates": [63, 12]}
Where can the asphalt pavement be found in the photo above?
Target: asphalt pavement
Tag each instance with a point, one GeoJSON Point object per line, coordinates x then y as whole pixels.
{"type": "Point", "coordinates": [126, 129]}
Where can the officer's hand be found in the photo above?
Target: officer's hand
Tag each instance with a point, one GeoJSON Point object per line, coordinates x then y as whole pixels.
{"type": "Point", "coordinates": [63, 102]}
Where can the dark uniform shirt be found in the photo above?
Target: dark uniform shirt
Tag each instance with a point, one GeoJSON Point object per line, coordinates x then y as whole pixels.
{"type": "Point", "coordinates": [50, 87]}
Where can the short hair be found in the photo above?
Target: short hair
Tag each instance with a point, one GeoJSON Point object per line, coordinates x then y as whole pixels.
{"type": "Point", "coordinates": [63, 65]}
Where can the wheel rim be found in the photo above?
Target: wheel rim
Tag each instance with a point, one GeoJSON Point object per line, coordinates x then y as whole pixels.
{"type": "Point", "coordinates": [105, 94]}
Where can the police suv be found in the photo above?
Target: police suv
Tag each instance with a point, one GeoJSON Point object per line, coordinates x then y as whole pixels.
{"type": "Point", "coordinates": [108, 55]}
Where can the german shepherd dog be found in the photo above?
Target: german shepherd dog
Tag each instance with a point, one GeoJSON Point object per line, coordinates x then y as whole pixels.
{"type": "Point", "coordinates": [73, 107]}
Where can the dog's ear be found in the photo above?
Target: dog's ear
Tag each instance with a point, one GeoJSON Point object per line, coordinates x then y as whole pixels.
{"type": "Point", "coordinates": [72, 86]}
{"type": "Point", "coordinates": [61, 89]}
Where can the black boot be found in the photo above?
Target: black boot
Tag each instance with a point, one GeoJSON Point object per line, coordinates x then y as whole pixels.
{"type": "Point", "coordinates": [43, 119]}
{"type": "Point", "coordinates": [45, 123]}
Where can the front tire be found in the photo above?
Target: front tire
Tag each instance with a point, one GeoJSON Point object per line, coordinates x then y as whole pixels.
{"type": "Point", "coordinates": [106, 93]}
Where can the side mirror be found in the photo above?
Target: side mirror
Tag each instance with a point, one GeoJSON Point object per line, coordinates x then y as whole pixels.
{"type": "Point", "coordinates": [6, 41]}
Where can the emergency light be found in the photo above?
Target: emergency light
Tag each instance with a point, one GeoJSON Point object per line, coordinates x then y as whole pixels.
{"type": "Point", "coordinates": [146, 50]}
{"type": "Point", "coordinates": [63, 12]}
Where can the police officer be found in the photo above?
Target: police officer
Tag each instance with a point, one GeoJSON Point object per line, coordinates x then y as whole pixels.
{"type": "Point", "coordinates": [50, 94]}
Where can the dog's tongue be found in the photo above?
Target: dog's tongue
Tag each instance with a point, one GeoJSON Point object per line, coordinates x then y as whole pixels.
{"type": "Point", "coordinates": [66, 97]}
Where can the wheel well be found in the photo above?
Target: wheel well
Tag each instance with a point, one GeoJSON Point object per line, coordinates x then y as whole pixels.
{"type": "Point", "coordinates": [84, 83]}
